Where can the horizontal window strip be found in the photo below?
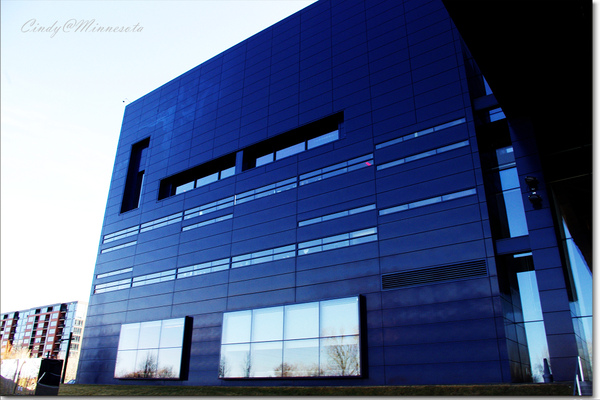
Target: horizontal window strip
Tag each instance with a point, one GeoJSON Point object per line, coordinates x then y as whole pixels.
{"type": "Point", "coordinates": [336, 215]}
{"type": "Point", "coordinates": [267, 190]}
{"type": "Point", "coordinates": [337, 241]}
{"type": "Point", "coordinates": [204, 268]}
{"type": "Point", "coordinates": [278, 253]}
{"type": "Point", "coordinates": [121, 246]}
{"type": "Point", "coordinates": [426, 202]}
{"type": "Point", "coordinates": [209, 207]}
{"type": "Point", "coordinates": [336, 169]}
{"type": "Point", "coordinates": [121, 234]}
{"type": "Point", "coordinates": [423, 132]}
{"type": "Point", "coordinates": [159, 223]}
{"type": "Point", "coordinates": [111, 286]}
{"type": "Point", "coordinates": [157, 277]}
{"type": "Point", "coordinates": [423, 155]}
{"type": "Point", "coordinates": [113, 273]}
{"type": "Point", "coordinates": [207, 222]}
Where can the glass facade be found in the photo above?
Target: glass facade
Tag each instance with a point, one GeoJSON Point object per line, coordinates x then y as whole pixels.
{"type": "Point", "coordinates": [151, 350]}
{"type": "Point", "coordinates": [318, 339]}
{"type": "Point", "coordinates": [581, 300]}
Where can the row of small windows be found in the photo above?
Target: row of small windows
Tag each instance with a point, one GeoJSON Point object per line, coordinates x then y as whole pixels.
{"type": "Point", "coordinates": [279, 253]}
{"type": "Point", "coordinates": [309, 247]}
{"type": "Point", "coordinates": [281, 146]}
{"type": "Point", "coordinates": [243, 260]}
{"type": "Point", "coordinates": [230, 201]}
{"type": "Point", "coordinates": [307, 139]}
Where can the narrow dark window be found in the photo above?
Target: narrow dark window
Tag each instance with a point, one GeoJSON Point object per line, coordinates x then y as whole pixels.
{"type": "Point", "coordinates": [135, 175]}
{"type": "Point", "coordinates": [296, 141]}
{"type": "Point", "coordinates": [201, 175]}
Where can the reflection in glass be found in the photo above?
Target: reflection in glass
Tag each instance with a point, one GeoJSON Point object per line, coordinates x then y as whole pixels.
{"type": "Point", "coordinates": [339, 317]}
{"type": "Point", "coordinates": [265, 159]}
{"type": "Point", "coordinates": [146, 363]}
{"type": "Point", "coordinates": [125, 364]}
{"type": "Point", "coordinates": [150, 350]}
{"type": "Point", "coordinates": [149, 335]}
{"type": "Point", "coordinates": [169, 363]}
{"type": "Point", "coordinates": [129, 336]}
{"type": "Point", "coordinates": [171, 333]}
{"type": "Point", "coordinates": [236, 327]}
{"type": "Point", "coordinates": [513, 201]}
{"type": "Point", "coordinates": [266, 359]}
{"type": "Point", "coordinates": [533, 320]}
{"type": "Point", "coordinates": [581, 303]}
{"type": "Point", "coordinates": [205, 180]}
{"type": "Point", "coordinates": [301, 357]}
{"type": "Point", "coordinates": [340, 356]}
{"type": "Point", "coordinates": [323, 139]}
{"type": "Point", "coordinates": [290, 151]}
{"type": "Point", "coordinates": [302, 321]}
{"type": "Point", "coordinates": [184, 188]}
{"type": "Point", "coordinates": [252, 343]}
{"type": "Point", "coordinates": [267, 324]}
{"type": "Point", "coordinates": [235, 361]}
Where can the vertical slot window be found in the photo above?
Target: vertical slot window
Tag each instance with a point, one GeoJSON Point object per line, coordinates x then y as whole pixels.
{"type": "Point", "coordinates": [135, 176]}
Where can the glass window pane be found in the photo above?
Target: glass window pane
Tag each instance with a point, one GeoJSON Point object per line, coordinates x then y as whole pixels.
{"type": "Point", "coordinates": [301, 357]}
{"type": "Point", "coordinates": [236, 327]}
{"type": "Point", "coordinates": [323, 139]}
{"type": "Point", "coordinates": [205, 180]}
{"type": "Point", "coordinates": [267, 324]}
{"type": "Point", "coordinates": [169, 363]}
{"type": "Point", "coordinates": [515, 212]}
{"type": "Point", "coordinates": [226, 173]}
{"type": "Point", "coordinates": [266, 359]}
{"type": "Point", "coordinates": [264, 159]}
{"type": "Point", "coordinates": [235, 361]}
{"type": "Point", "coordinates": [146, 363]}
{"type": "Point", "coordinates": [509, 179]}
{"type": "Point", "coordinates": [339, 317]}
{"type": "Point", "coordinates": [537, 346]}
{"type": "Point", "coordinates": [290, 151]}
{"type": "Point", "coordinates": [129, 336]}
{"type": "Point", "coordinates": [530, 296]}
{"type": "Point", "coordinates": [184, 188]}
{"type": "Point", "coordinates": [149, 335]}
{"type": "Point", "coordinates": [505, 155]}
{"type": "Point", "coordinates": [171, 334]}
{"type": "Point", "coordinates": [340, 356]}
{"type": "Point", "coordinates": [302, 321]}
{"type": "Point", "coordinates": [125, 367]}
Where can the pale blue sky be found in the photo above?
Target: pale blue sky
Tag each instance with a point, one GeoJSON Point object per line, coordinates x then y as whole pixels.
{"type": "Point", "coordinates": [61, 111]}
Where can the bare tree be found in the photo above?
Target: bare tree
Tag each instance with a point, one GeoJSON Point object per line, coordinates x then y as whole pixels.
{"type": "Point", "coordinates": [149, 367]}
{"type": "Point", "coordinates": [247, 366]}
{"type": "Point", "coordinates": [342, 358]}
{"type": "Point", "coordinates": [223, 368]}
{"type": "Point", "coordinates": [17, 351]}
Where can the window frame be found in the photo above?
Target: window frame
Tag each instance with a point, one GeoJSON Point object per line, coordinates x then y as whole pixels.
{"type": "Point", "coordinates": [183, 348]}
{"type": "Point", "coordinates": [357, 349]}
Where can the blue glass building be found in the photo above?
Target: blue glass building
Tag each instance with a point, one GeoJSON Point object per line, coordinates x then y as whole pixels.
{"type": "Point", "coordinates": [342, 200]}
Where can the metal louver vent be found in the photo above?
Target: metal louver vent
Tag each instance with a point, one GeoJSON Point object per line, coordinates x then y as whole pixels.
{"type": "Point", "coordinates": [469, 269]}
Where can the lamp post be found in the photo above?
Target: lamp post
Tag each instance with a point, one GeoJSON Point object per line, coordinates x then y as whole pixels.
{"type": "Point", "coordinates": [64, 372]}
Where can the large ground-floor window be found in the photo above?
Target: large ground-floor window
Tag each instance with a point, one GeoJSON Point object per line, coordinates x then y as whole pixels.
{"type": "Point", "coordinates": [318, 339]}
{"type": "Point", "coordinates": [151, 350]}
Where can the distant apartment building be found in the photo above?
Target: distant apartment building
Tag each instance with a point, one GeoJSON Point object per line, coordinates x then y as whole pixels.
{"type": "Point", "coordinates": [45, 331]}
